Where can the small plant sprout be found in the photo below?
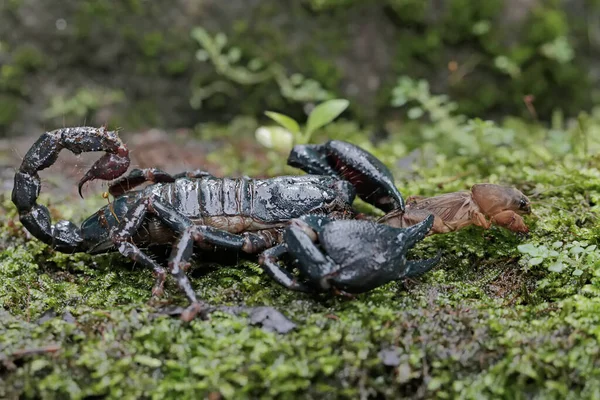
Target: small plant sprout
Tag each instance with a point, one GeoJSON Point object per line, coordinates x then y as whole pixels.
{"type": "Point", "coordinates": [275, 137]}
{"type": "Point", "coordinates": [559, 256]}
{"type": "Point", "coordinates": [320, 116]}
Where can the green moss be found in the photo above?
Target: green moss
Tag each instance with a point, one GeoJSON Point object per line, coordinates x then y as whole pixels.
{"type": "Point", "coordinates": [491, 321]}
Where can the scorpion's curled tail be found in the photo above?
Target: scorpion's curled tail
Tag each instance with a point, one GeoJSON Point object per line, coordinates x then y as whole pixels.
{"type": "Point", "coordinates": [64, 235]}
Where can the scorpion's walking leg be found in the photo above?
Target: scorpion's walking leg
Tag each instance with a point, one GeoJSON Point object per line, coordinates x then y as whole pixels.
{"type": "Point", "coordinates": [268, 260]}
{"type": "Point", "coordinates": [137, 177]}
{"type": "Point", "coordinates": [152, 175]}
{"type": "Point", "coordinates": [182, 251]}
{"type": "Point", "coordinates": [300, 241]}
{"type": "Point", "coordinates": [121, 236]}
{"type": "Point", "coordinates": [129, 225]}
{"type": "Point", "coordinates": [301, 233]}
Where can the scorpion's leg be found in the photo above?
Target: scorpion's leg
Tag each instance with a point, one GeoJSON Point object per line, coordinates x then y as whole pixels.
{"type": "Point", "coordinates": [63, 236]}
{"type": "Point", "coordinates": [153, 175]}
{"type": "Point", "coordinates": [121, 236]}
{"type": "Point", "coordinates": [268, 260]}
{"type": "Point", "coordinates": [182, 251]}
{"type": "Point", "coordinates": [137, 177]}
{"type": "Point", "coordinates": [373, 181]}
{"type": "Point", "coordinates": [195, 174]}
{"type": "Point", "coordinates": [180, 254]}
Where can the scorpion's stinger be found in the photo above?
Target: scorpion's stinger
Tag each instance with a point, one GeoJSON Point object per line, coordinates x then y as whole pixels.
{"type": "Point", "coordinates": [64, 236]}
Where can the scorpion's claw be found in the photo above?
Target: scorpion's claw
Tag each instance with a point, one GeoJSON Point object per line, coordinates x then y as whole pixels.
{"type": "Point", "coordinates": [373, 181]}
{"type": "Point", "coordinates": [108, 167]}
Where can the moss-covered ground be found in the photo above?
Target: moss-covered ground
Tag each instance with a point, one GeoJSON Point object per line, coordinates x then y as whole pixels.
{"type": "Point", "coordinates": [502, 316]}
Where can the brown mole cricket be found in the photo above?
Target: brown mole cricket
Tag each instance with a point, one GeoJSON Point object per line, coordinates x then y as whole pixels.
{"type": "Point", "coordinates": [453, 211]}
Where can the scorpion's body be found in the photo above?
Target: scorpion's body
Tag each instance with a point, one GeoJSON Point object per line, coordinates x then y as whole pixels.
{"type": "Point", "coordinates": [234, 205]}
{"type": "Point", "coordinates": [283, 215]}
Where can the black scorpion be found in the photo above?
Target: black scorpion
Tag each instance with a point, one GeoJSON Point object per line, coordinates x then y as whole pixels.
{"type": "Point", "coordinates": [308, 217]}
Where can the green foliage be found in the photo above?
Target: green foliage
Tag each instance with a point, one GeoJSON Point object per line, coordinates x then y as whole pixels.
{"type": "Point", "coordinates": [283, 140]}
{"type": "Point", "coordinates": [9, 110]}
{"type": "Point", "coordinates": [435, 120]}
{"type": "Point", "coordinates": [323, 114]}
{"type": "Point", "coordinates": [486, 58]}
{"type": "Point", "coordinates": [229, 63]}
{"type": "Point", "coordinates": [83, 104]}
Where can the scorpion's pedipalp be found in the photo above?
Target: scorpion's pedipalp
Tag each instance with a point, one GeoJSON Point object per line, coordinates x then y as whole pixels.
{"type": "Point", "coordinates": [151, 175]}
{"type": "Point", "coordinates": [418, 231]}
{"type": "Point", "coordinates": [354, 256]}
{"type": "Point", "coordinates": [417, 268]}
{"type": "Point", "coordinates": [311, 260]}
{"type": "Point", "coordinates": [373, 181]}
{"type": "Point", "coordinates": [311, 159]}
{"type": "Point", "coordinates": [36, 218]}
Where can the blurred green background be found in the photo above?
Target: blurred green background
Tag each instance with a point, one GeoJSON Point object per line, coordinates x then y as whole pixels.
{"type": "Point", "coordinates": [447, 93]}
{"type": "Point", "coordinates": [138, 64]}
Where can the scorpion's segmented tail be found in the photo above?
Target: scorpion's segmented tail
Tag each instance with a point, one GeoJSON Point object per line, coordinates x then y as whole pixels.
{"type": "Point", "coordinates": [64, 235]}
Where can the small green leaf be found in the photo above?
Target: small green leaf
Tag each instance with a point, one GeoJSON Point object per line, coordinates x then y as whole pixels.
{"type": "Point", "coordinates": [527, 248]}
{"type": "Point", "coordinates": [38, 365]}
{"type": "Point", "coordinates": [556, 267]}
{"type": "Point", "coordinates": [415, 113]}
{"type": "Point", "coordinates": [285, 121]}
{"type": "Point", "coordinates": [536, 261]}
{"type": "Point", "coordinates": [577, 272]}
{"type": "Point", "coordinates": [577, 250]}
{"type": "Point", "coordinates": [324, 113]}
{"type": "Point", "coordinates": [147, 361]}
